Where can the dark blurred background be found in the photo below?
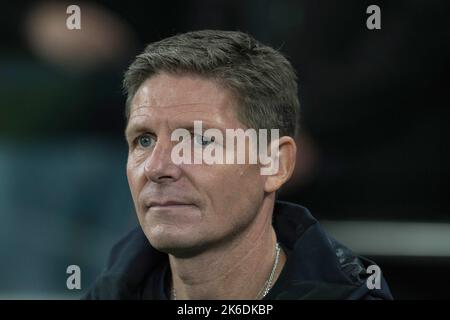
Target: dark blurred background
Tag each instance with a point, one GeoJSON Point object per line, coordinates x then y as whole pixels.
{"type": "Point", "coordinates": [373, 162]}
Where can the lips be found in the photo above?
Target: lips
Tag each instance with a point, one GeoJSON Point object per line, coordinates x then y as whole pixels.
{"type": "Point", "coordinates": [167, 203]}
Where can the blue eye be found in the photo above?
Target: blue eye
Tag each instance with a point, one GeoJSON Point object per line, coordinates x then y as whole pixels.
{"type": "Point", "coordinates": [145, 140]}
{"type": "Point", "coordinates": [202, 140]}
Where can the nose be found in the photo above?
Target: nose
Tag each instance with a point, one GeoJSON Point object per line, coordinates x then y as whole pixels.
{"type": "Point", "coordinates": [159, 166]}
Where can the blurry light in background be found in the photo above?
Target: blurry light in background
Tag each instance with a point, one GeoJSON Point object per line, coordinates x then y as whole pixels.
{"type": "Point", "coordinates": [383, 238]}
{"type": "Point", "coordinates": [104, 37]}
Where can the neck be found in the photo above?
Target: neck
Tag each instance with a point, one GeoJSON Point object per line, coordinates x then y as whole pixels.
{"type": "Point", "coordinates": [238, 269]}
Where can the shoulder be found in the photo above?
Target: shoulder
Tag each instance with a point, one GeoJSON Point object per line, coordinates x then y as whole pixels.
{"type": "Point", "coordinates": [130, 260]}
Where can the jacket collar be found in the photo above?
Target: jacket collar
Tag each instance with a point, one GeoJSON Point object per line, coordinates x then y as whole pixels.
{"type": "Point", "coordinates": [317, 267]}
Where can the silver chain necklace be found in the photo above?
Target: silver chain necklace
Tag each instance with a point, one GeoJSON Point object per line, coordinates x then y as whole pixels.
{"type": "Point", "coordinates": [267, 285]}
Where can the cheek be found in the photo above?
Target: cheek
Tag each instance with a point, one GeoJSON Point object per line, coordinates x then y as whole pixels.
{"type": "Point", "coordinates": [230, 187]}
{"type": "Point", "coordinates": [135, 177]}
{"type": "Point", "coordinates": [247, 186]}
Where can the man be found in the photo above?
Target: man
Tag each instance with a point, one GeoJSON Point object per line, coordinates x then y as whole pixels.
{"type": "Point", "coordinates": [216, 231]}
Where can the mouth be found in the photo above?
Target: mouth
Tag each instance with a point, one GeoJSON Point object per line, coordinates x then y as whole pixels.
{"type": "Point", "coordinates": [168, 205]}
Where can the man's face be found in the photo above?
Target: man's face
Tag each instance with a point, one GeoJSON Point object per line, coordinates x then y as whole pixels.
{"type": "Point", "coordinates": [183, 208]}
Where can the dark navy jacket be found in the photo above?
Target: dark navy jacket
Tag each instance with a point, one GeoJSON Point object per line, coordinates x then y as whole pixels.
{"type": "Point", "coordinates": [317, 266]}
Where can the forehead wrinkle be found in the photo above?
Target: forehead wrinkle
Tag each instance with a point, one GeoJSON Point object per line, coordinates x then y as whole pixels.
{"type": "Point", "coordinates": [137, 122]}
{"type": "Point", "coordinates": [204, 115]}
{"type": "Point", "coordinates": [178, 105]}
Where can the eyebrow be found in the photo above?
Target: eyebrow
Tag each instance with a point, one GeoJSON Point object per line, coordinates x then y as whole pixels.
{"type": "Point", "coordinates": [134, 130]}
{"type": "Point", "coordinates": [140, 127]}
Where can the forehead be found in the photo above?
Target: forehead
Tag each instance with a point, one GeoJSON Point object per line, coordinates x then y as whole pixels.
{"type": "Point", "coordinates": [181, 99]}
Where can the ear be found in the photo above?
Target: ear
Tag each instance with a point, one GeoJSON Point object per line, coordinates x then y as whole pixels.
{"type": "Point", "coordinates": [286, 157]}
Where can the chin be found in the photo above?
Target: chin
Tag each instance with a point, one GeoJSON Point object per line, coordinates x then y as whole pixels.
{"type": "Point", "coordinates": [173, 240]}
